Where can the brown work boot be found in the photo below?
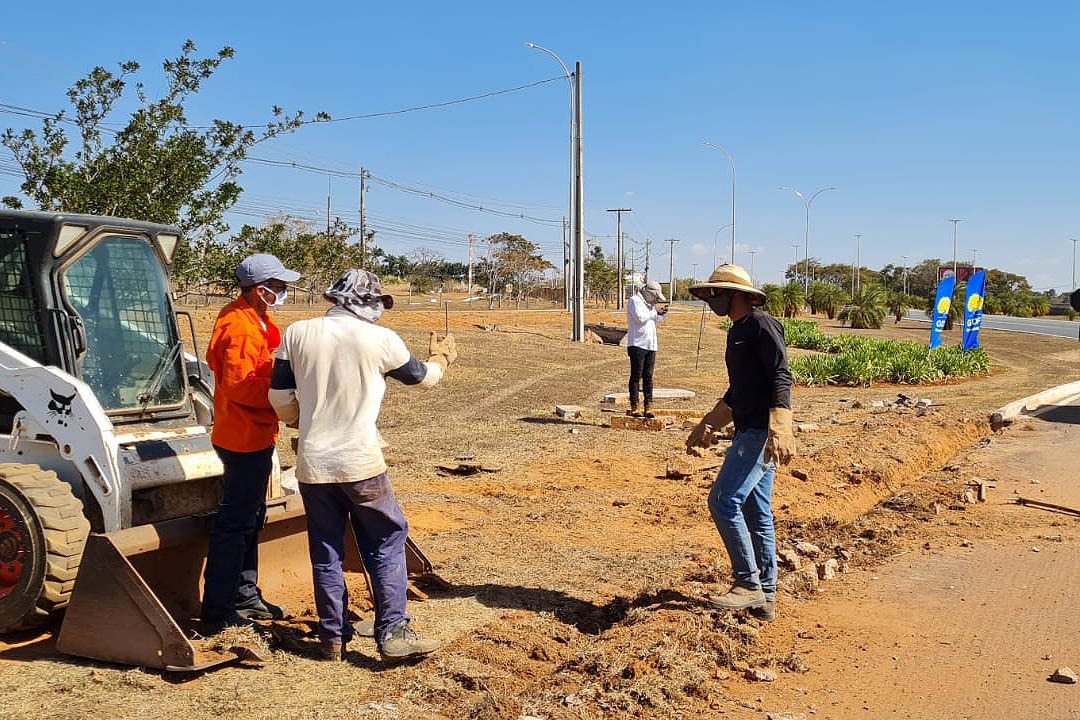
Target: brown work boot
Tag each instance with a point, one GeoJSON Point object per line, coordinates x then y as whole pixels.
{"type": "Point", "coordinates": [767, 612]}
{"type": "Point", "coordinates": [738, 598]}
{"type": "Point", "coordinates": [332, 650]}
{"type": "Point", "coordinates": [633, 411]}
{"type": "Point", "coordinates": [648, 410]}
{"type": "Point", "coordinates": [402, 644]}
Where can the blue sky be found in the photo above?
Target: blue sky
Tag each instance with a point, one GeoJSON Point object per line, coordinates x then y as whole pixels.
{"type": "Point", "coordinates": [915, 111]}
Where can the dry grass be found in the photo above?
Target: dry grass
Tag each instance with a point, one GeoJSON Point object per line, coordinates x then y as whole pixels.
{"type": "Point", "coordinates": [577, 569]}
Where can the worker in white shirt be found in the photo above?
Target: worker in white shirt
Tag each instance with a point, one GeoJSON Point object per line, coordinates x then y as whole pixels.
{"type": "Point", "coordinates": [330, 376]}
{"type": "Point", "coordinates": [642, 313]}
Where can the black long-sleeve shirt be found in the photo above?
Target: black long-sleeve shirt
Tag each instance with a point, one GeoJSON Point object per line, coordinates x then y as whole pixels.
{"type": "Point", "coordinates": [757, 367]}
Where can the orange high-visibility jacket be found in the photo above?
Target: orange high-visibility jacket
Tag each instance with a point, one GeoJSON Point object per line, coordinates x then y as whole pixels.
{"type": "Point", "coordinates": [241, 355]}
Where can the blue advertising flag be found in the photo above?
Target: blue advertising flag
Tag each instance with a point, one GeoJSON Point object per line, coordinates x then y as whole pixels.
{"type": "Point", "coordinates": [941, 310]}
{"type": "Point", "coordinates": [973, 310]}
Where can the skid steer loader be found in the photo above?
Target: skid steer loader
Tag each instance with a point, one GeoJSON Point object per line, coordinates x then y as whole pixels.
{"type": "Point", "coordinates": [108, 480]}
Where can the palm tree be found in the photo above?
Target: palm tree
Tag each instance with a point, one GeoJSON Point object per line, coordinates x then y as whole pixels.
{"type": "Point", "coordinates": [774, 302]}
{"type": "Point", "coordinates": [899, 304]}
{"type": "Point", "coordinates": [793, 297]}
{"type": "Point", "coordinates": [867, 308]}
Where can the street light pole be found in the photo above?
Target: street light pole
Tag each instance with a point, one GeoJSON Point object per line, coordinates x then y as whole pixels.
{"type": "Point", "coordinates": [796, 264]}
{"type": "Point", "coordinates": [858, 262]}
{"type": "Point", "coordinates": [577, 213]}
{"type": "Point", "coordinates": [806, 237]}
{"type": "Point", "coordinates": [974, 255]}
{"type": "Point", "coordinates": [905, 259]}
{"type": "Point", "coordinates": [1074, 265]}
{"type": "Point", "coordinates": [717, 233]}
{"type": "Point", "coordinates": [752, 254]}
{"type": "Point", "coordinates": [954, 222]}
{"type": "Point", "coordinates": [728, 156]}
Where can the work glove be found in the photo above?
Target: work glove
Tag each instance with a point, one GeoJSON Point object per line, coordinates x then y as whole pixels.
{"type": "Point", "coordinates": [780, 447]}
{"type": "Point", "coordinates": [442, 351]}
{"type": "Point", "coordinates": [702, 436]}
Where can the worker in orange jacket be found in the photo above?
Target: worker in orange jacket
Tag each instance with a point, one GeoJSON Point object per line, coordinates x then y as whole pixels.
{"type": "Point", "coordinates": [241, 356]}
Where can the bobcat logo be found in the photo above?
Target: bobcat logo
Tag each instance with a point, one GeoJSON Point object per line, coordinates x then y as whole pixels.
{"type": "Point", "coordinates": [60, 407]}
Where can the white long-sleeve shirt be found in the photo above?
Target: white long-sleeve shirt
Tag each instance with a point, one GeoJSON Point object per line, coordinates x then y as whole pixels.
{"type": "Point", "coordinates": [641, 319]}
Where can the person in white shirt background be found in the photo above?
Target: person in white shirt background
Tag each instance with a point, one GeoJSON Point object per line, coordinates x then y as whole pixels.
{"type": "Point", "coordinates": [643, 312]}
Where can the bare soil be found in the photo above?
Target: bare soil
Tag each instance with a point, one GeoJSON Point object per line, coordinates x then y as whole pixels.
{"type": "Point", "coordinates": [578, 569]}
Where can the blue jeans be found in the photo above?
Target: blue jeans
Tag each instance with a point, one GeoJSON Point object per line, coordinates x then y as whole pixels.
{"type": "Point", "coordinates": [740, 503]}
{"type": "Point", "coordinates": [380, 529]}
{"type": "Point", "coordinates": [232, 559]}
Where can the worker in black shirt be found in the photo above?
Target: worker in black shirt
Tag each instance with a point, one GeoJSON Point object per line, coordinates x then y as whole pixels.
{"type": "Point", "coordinates": [758, 401]}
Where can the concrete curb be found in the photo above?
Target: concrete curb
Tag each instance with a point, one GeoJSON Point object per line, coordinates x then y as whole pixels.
{"type": "Point", "coordinates": [1013, 410]}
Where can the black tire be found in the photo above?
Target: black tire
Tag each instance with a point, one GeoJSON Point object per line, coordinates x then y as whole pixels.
{"type": "Point", "coordinates": [42, 535]}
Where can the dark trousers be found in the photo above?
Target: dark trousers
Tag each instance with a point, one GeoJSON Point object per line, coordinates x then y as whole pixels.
{"type": "Point", "coordinates": [380, 529]}
{"type": "Point", "coordinates": [642, 362]}
{"type": "Point", "coordinates": [232, 560]}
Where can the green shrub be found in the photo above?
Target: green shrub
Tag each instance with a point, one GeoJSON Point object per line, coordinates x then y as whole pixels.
{"type": "Point", "coordinates": [855, 360]}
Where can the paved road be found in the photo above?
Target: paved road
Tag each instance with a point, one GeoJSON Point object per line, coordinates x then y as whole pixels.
{"type": "Point", "coordinates": [1034, 326]}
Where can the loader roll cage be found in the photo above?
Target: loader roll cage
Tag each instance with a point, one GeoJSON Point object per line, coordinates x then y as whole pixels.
{"type": "Point", "coordinates": [67, 279]}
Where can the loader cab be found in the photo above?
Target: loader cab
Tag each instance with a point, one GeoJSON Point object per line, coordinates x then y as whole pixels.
{"type": "Point", "coordinates": [90, 295]}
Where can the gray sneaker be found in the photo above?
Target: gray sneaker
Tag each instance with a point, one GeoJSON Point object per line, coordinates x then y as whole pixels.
{"type": "Point", "coordinates": [402, 643]}
{"type": "Point", "coordinates": [767, 612]}
{"type": "Point", "coordinates": [738, 598]}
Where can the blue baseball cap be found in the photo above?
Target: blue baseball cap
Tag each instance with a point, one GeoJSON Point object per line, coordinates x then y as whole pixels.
{"type": "Point", "coordinates": [260, 267]}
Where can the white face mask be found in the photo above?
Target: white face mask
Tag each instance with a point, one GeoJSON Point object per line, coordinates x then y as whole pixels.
{"type": "Point", "coordinates": [278, 298]}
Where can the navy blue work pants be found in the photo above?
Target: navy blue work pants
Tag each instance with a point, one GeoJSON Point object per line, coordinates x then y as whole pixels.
{"type": "Point", "coordinates": [380, 529]}
{"type": "Point", "coordinates": [232, 560]}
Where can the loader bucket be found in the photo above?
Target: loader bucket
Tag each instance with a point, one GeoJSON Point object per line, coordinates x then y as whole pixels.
{"type": "Point", "coordinates": [139, 589]}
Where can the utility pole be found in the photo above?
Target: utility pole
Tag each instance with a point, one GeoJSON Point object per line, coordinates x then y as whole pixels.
{"type": "Point", "coordinates": [619, 252]}
{"type": "Point", "coordinates": [648, 252]}
{"type": "Point", "coordinates": [472, 239]}
{"type": "Point", "coordinates": [363, 221]}
{"type": "Point", "coordinates": [796, 264]}
{"type": "Point", "coordinates": [327, 207]}
{"type": "Point", "coordinates": [671, 269]}
{"type": "Point", "coordinates": [954, 222]}
{"type": "Point", "coordinates": [566, 264]}
{"type": "Point", "coordinates": [579, 216]}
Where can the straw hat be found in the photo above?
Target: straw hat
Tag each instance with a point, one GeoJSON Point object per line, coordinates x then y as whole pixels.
{"type": "Point", "coordinates": [727, 277]}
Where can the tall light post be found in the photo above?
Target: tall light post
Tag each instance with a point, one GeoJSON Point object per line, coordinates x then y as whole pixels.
{"type": "Point", "coordinates": [858, 262]}
{"type": "Point", "coordinates": [728, 156]}
{"type": "Point", "coordinates": [796, 265]}
{"type": "Point", "coordinates": [954, 222]}
{"type": "Point", "coordinates": [752, 254]}
{"type": "Point", "coordinates": [1074, 240]}
{"type": "Point", "coordinates": [577, 204]}
{"type": "Point", "coordinates": [974, 256]}
{"type": "Point", "coordinates": [905, 259]}
{"type": "Point", "coordinates": [715, 235]}
{"type": "Point", "coordinates": [806, 238]}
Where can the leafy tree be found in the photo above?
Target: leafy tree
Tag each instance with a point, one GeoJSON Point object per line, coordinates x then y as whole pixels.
{"type": "Point", "coordinates": [424, 270]}
{"type": "Point", "coordinates": [827, 298]}
{"type": "Point", "coordinates": [867, 308]}
{"type": "Point", "coordinates": [156, 167]}
{"type": "Point", "coordinates": [601, 275]}
{"type": "Point", "coordinates": [516, 262]}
